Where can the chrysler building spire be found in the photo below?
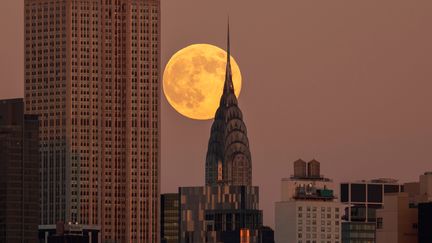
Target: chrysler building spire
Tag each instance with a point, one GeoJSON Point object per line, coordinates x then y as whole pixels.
{"type": "Point", "coordinates": [228, 86]}
{"type": "Point", "coordinates": [228, 158]}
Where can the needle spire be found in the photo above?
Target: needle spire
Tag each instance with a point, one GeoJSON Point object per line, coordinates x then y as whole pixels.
{"type": "Point", "coordinates": [229, 87]}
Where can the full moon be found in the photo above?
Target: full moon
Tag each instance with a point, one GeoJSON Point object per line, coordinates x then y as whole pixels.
{"type": "Point", "coordinates": [194, 77]}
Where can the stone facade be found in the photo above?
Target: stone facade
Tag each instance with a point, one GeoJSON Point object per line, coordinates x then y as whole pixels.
{"type": "Point", "coordinates": [92, 74]}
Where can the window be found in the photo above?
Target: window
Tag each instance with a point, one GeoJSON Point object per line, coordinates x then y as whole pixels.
{"type": "Point", "coordinates": [358, 213]}
{"type": "Point", "coordinates": [379, 223]}
{"type": "Point", "coordinates": [391, 188]}
{"type": "Point", "coordinates": [358, 192]}
{"type": "Point", "coordinates": [344, 192]}
{"type": "Point", "coordinates": [375, 193]}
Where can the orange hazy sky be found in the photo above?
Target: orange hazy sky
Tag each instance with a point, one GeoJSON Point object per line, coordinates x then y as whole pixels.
{"type": "Point", "coordinates": [346, 82]}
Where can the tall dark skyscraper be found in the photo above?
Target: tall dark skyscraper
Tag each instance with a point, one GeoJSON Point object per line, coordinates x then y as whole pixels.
{"type": "Point", "coordinates": [228, 159]}
{"type": "Point", "coordinates": [92, 74]}
{"type": "Point", "coordinates": [19, 173]}
{"type": "Point", "coordinates": [226, 209]}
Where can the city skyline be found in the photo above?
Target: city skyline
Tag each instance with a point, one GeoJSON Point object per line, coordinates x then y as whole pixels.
{"type": "Point", "coordinates": [349, 91]}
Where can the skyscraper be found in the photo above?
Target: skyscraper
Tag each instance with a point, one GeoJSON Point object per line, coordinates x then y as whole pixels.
{"type": "Point", "coordinates": [92, 71]}
{"type": "Point", "coordinates": [19, 173]}
{"type": "Point", "coordinates": [228, 159]}
{"type": "Point", "coordinates": [226, 209]}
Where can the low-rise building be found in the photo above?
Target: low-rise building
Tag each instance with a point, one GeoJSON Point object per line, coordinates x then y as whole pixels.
{"type": "Point", "coordinates": [362, 199]}
{"type": "Point", "coordinates": [69, 232]}
{"type": "Point", "coordinates": [397, 221]}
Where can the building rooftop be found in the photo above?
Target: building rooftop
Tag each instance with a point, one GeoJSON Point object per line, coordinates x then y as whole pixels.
{"type": "Point", "coordinates": [306, 178]}
{"type": "Point", "coordinates": [376, 181]}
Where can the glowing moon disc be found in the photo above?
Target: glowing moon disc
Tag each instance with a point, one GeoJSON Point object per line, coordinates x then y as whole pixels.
{"type": "Point", "coordinates": [193, 80]}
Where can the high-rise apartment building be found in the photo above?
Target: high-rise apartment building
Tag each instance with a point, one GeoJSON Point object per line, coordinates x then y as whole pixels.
{"type": "Point", "coordinates": [19, 173]}
{"type": "Point", "coordinates": [308, 211]}
{"type": "Point", "coordinates": [304, 174]}
{"type": "Point", "coordinates": [92, 71]}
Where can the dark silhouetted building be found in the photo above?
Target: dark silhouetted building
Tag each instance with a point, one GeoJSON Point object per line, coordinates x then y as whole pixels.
{"type": "Point", "coordinates": [92, 74]}
{"type": "Point", "coordinates": [265, 235]}
{"type": "Point", "coordinates": [19, 173]}
{"type": "Point", "coordinates": [170, 218]}
{"type": "Point", "coordinates": [228, 159]}
{"type": "Point", "coordinates": [226, 209]}
{"type": "Point", "coordinates": [69, 233]}
{"type": "Point", "coordinates": [425, 222]}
